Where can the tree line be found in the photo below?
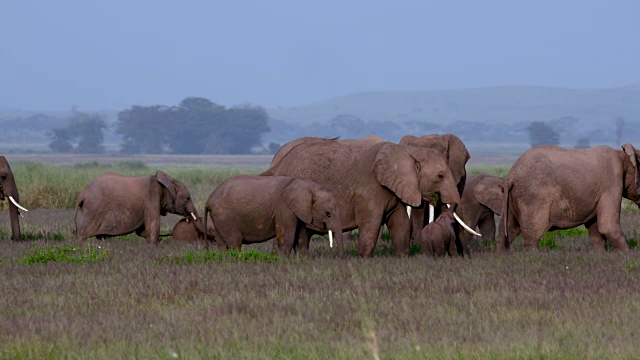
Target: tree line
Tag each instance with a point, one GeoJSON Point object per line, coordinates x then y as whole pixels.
{"type": "Point", "coordinates": [195, 126]}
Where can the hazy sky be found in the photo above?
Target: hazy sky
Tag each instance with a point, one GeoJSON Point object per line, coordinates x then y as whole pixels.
{"type": "Point", "coordinates": [117, 53]}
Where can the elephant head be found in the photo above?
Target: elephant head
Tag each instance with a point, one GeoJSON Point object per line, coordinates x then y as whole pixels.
{"type": "Point", "coordinates": [176, 199]}
{"type": "Point", "coordinates": [630, 164]}
{"type": "Point", "coordinates": [316, 207]}
{"type": "Point", "coordinates": [451, 147]}
{"type": "Point", "coordinates": [9, 190]}
{"type": "Point", "coordinates": [488, 192]}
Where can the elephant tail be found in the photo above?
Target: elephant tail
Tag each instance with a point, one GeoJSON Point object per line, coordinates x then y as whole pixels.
{"type": "Point", "coordinates": [79, 205]}
{"type": "Point", "coordinates": [505, 214]}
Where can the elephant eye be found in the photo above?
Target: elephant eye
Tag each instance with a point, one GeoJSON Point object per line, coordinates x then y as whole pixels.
{"type": "Point", "coordinates": [440, 176]}
{"type": "Point", "coordinates": [328, 214]}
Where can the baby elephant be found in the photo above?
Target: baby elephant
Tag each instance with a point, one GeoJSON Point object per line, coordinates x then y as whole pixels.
{"type": "Point", "coordinates": [186, 230]}
{"type": "Point", "coordinates": [438, 236]}
{"type": "Point", "coordinates": [248, 209]}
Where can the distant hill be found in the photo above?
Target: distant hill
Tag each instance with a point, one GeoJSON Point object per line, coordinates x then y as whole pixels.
{"type": "Point", "coordinates": [506, 104]}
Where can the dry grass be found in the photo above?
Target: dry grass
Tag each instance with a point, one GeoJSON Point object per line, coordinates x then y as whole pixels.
{"type": "Point", "coordinates": [563, 303]}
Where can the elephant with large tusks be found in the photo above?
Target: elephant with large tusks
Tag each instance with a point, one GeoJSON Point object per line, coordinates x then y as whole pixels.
{"type": "Point", "coordinates": [248, 209]}
{"type": "Point", "coordinates": [550, 188]}
{"type": "Point", "coordinates": [113, 205]}
{"type": "Point", "coordinates": [457, 156]}
{"type": "Point", "coordinates": [372, 183]}
{"type": "Point", "coordinates": [9, 190]}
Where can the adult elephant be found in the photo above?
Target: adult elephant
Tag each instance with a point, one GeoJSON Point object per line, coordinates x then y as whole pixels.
{"type": "Point", "coordinates": [456, 155]}
{"type": "Point", "coordinates": [550, 188]}
{"type": "Point", "coordinates": [371, 183]}
{"type": "Point", "coordinates": [113, 205]}
{"type": "Point", "coordinates": [481, 201]}
{"type": "Point", "coordinates": [9, 190]}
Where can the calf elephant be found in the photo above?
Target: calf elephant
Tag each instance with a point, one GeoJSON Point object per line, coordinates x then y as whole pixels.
{"type": "Point", "coordinates": [481, 201]}
{"type": "Point", "coordinates": [113, 205]}
{"type": "Point", "coordinates": [9, 190]}
{"type": "Point", "coordinates": [550, 188]}
{"type": "Point", "coordinates": [186, 230]}
{"type": "Point", "coordinates": [372, 183]}
{"type": "Point", "coordinates": [436, 237]}
{"type": "Point", "coordinates": [248, 209]}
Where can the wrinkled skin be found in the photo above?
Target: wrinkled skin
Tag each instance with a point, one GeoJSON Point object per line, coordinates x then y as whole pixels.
{"type": "Point", "coordinates": [437, 237]}
{"type": "Point", "coordinates": [481, 201]}
{"type": "Point", "coordinates": [113, 205]}
{"type": "Point", "coordinates": [372, 183]}
{"type": "Point", "coordinates": [249, 209]}
{"type": "Point", "coordinates": [186, 230]}
{"type": "Point", "coordinates": [8, 188]}
{"type": "Point", "coordinates": [456, 155]}
{"type": "Point", "coordinates": [551, 188]}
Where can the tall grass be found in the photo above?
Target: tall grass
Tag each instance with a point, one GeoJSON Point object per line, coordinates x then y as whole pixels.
{"type": "Point", "coordinates": [58, 186]}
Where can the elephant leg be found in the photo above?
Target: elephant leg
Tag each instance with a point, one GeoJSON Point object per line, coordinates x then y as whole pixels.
{"type": "Point", "coordinates": [417, 223]}
{"type": "Point", "coordinates": [151, 227]}
{"type": "Point", "coordinates": [609, 226]}
{"type": "Point", "coordinates": [597, 240]}
{"type": "Point", "coordinates": [399, 227]}
{"type": "Point", "coordinates": [487, 227]}
{"type": "Point", "coordinates": [287, 226]}
{"type": "Point", "coordinates": [302, 243]}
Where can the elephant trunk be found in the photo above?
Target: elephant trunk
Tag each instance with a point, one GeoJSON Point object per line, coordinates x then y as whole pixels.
{"type": "Point", "coordinates": [338, 238]}
{"type": "Point", "coordinates": [14, 215]}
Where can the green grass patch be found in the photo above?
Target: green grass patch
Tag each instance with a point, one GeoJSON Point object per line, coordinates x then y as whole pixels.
{"type": "Point", "coordinates": [213, 256]}
{"type": "Point", "coordinates": [64, 253]}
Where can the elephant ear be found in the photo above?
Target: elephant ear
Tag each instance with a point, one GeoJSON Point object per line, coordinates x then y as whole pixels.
{"type": "Point", "coordinates": [396, 169]}
{"type": "Point", "coordinates": [167, 182]}
{"type": "Point", "coordinates": [631, 153]}
{"type": "Point", "coordinates": [299, 199]}
{"type": "Point", "coordinates": [488, 192]}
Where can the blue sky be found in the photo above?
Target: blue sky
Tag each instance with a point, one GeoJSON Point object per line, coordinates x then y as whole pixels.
{"type": "Point", "coordinates": [114, 54]}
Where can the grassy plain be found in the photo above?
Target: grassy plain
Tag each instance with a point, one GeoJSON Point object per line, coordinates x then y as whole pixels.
{"type": "Point", "coordinates": [124, 298]}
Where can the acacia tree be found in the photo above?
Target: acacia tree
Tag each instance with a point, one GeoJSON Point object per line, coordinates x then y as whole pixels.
{"type": "Point", "coordinates": [87, 129]}
{"type": "Point", "coordinates": [540, 133]}
{"type": "Point", "coordinates": [196, 126]}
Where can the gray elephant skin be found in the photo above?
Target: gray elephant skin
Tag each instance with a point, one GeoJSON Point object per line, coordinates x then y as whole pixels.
{"type": "Point", "coordinates": [248, 209]}
{"type": "Point", "coordinates": [457, 156]}
{"type": "Point", "coordinates": [113, 205]}
{"type": "Point", "coordinates": [9, 190]}
{"type": "Point", "coordinates": [371, 183]}
{"type": "Point", "coordinates": [551, 188]}
{"type": "Point", "coordinates": [437, 237]}
{"type": "Point", "coordinates": [186, 230]}
{"type": "Point", "coordinates": [481, 202]}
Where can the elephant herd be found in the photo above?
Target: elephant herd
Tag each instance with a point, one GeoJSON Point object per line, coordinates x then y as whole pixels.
{"type": "Point", "coordinates": [317, 185]}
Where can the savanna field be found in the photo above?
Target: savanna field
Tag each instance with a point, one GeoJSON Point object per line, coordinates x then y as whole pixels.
{"type": "Point", "coordinates": [124, 298]}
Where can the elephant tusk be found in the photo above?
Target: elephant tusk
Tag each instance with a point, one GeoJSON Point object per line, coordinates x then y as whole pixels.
{"type": "Point", "coordinates": [432, 211]}
{"type": "Point", "coordinates": [330, 239]}
{"type": "Point", "coordinates": [193, 216]}
{"type": "Point", "coordinates": [409, 210]}
{"type": "Point", "coordinates": [16, 203]}
{"type": "Point", "coordinates": [465, 226]}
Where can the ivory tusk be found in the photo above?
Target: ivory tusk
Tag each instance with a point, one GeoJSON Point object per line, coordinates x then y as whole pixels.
{"type": "Point", "coordinates": [193, 216]}
{"type": "Point", "coordinates": [409, 211]}
{"type": "Point", "coordinates": [330, 239]}
{"type": "Point", "coordinates": [432, 211]}
{"type": "Point", "coordinates": [16, 203]}
{"type": "Point", "coordinates": [465, 226]}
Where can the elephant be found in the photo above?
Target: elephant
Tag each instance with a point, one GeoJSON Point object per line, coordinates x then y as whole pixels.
{"type": "Point", "coordinates": [372, 183]}
{"type": "Point", "coordinates": [9, 190]}
{"type": "Point", "coordinates": [113, 205]}
{"type": "Point", "coordinates": [437, 236]}
{"type": "Point", "coordinates": [457, 156]}
{"type": "Point", "coordinates": [481, 201]}
{"type": "Point", "coordinates": [186, 230]}
{"type": "Point", "coordinates": [249, 209]}
{"type": "Point", "coordinates": [551, 188]}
